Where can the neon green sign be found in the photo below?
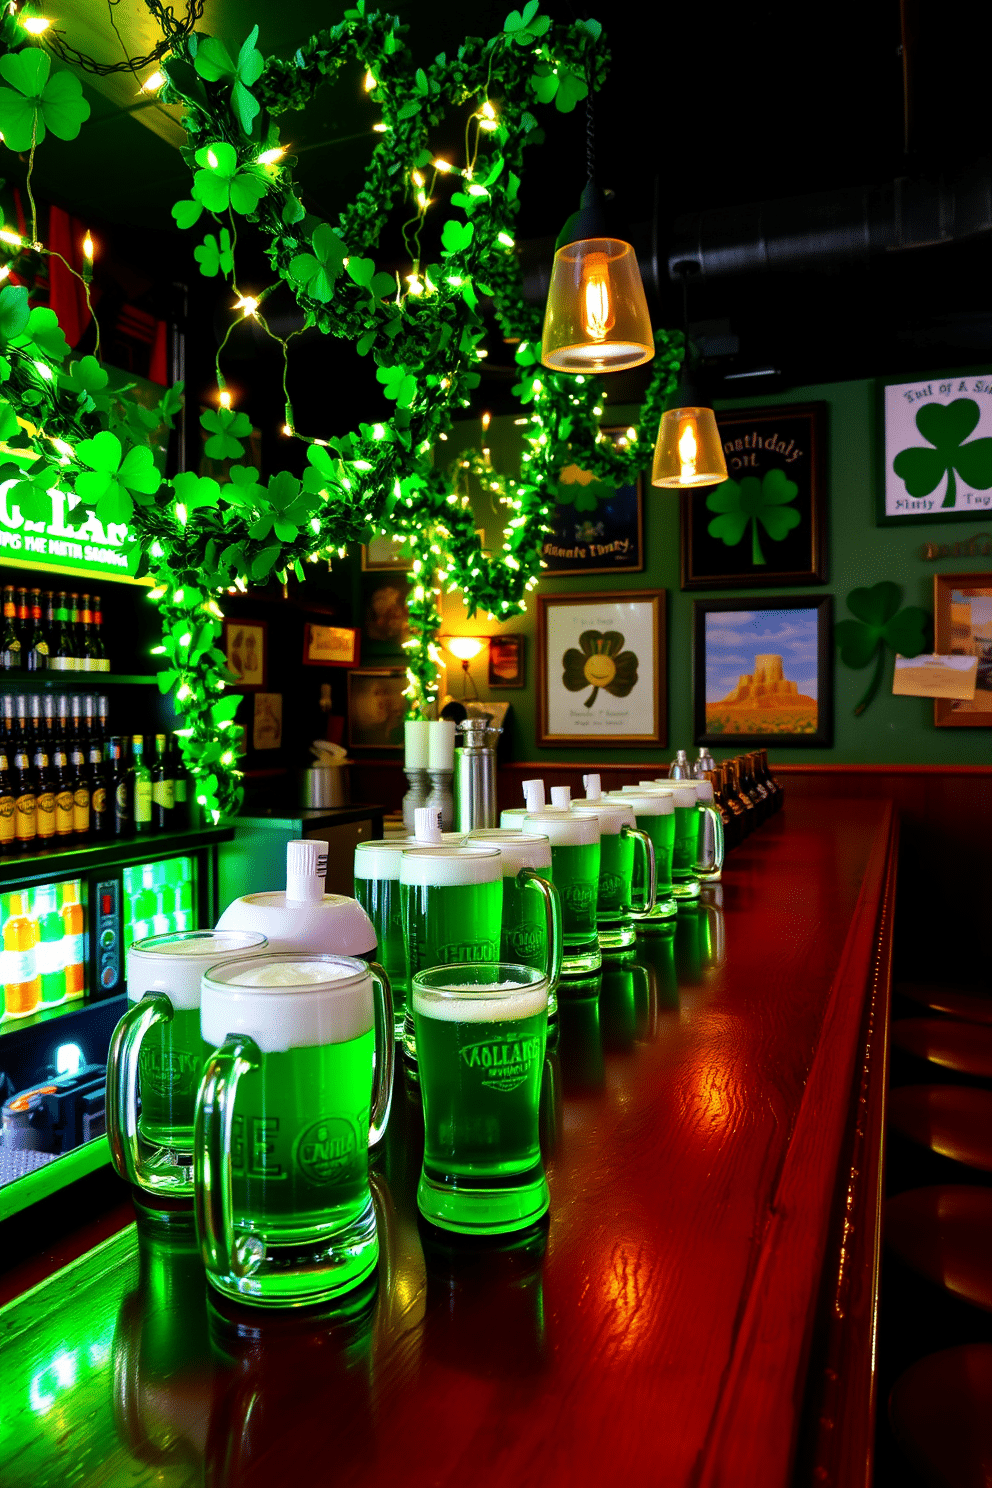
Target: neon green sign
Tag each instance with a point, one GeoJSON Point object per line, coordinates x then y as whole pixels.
{"type": "Point", "coordinates": [90, 548]}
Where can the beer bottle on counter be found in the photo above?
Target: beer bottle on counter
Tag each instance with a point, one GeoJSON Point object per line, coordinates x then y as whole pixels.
{"type": "Point", "coordinates": [81, 797]}
{"type": "Point", "coordinates": [64, 804]}
{"type": "Point", "coordinates": [6, 804]}
{"type": "Point", "coordinates": [34, 707]}
{"type": "Point", "coordinates": [62, 657]}
{"type": "Point", "coordinates": [25, 815]}
{"type": "Point", "coordinates": [76, 632]}
{"type": "Point", "coordinates": [85, 623]}
{"type": "Point", "coordinates": [36, 645]}
{"type": "Point", "coordinates": [21, 710]}
{"type": "Point", "coordinates": [23, 624]}
{"type": "Point", "coordinates": [101, 817]}
{"type": "Point", "coordinates": [9, 730]}
{"type": "Point", "coordinates": [45, 797]}
{"type": "Point", "coordinates": [76, 741]}
{"type": "Point", "coordinates": [11, 658]}
{"type": "Point", "coordinates": [123, 788]}
{"type": "Point", "coordinates": [97, 649]}
{"type": "Point", "coordinates": [62, 727]}
{"type": "Point", "coordinates": [51, 630]}
{"type": "Point", "coordinates": [163, 787]}
{"type": "Point", "coordinates": [102, 713]}
{"type": "Point", "coordinates": [142, 778]}
{"type": "Point", "coordinates": [182, 788]}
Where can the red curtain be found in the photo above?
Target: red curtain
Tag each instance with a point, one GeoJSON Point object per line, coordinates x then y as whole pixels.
{"type": "Point", "coordinates": [66, 296]}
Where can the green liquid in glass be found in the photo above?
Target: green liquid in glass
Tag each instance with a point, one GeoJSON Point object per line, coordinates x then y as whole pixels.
{"type": "Point", "coordinates": [380, 899]}
{"type": "Point", "coordinates": [661, 830]}
{"type": "Point", "coordinates": [685, 852]}
{"type": "Point", "coordinates": [524, 933]}
{"type": "Point", "coordinates": [170, 1063]}
{"type": "Point", "coordinates": [575, 873]}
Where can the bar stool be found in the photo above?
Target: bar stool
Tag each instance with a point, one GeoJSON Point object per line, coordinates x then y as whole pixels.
{"type": "Point", "coordinates": [945, 1234]}
{"type": "Point", "coordinates": [973, 1007]}
{"type": "Point", "coordinates": [941, 1416]}
{"type": "Point", "coordinates": [954, 1120]}
{"type": "Point", "coordinates": [965, 1047]}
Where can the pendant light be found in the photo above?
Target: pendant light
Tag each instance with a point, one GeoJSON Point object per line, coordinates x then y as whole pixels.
{"type": "Point", "coordinates": [596, 319]}
{"type": "Point", "coordinates": [688, 452]}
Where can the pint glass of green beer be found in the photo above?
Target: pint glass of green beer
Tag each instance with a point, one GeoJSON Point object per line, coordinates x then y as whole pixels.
{"type": "Point", "coordinates": [377, 889]}
{"type": "Point", "coordinates": [685, 853]}
{"type": "Point", "coordinates": [452, 906]}
{"type": "Point", "coordinates": [575, 874]}
{"type": "Point", "coordinates": [654, 812]}
{"type": "Point", "coordinates": [530, 929]}
{"type": "Point", "coordinates": [287, 1109]}
{"type": "Point", "coordinates": [619, 838]}
{"type": "Point", "coordinates": [481, 1036]}
{"type": "Point", "coordinates": [157, 1056]}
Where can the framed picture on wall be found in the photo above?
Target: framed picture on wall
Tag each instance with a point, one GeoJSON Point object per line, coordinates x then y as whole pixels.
{"type": "Point", "coordinates": [506, 660]}
{"type": "Point", "coordinates": [962, 625]}
{"type": "Point", "coordinates": [383, 553]}
{"type": "Point", "coordinates": [245, 646]}
{"type": "Point", "coordinates": [376, 707]}
{"type": "Point", "coordinates": [935, 449]}
{"type": "Point", "coordinates": [766, 524]}
{"type": "Point", "coordinates": [602, 669]}
{"type": "Point", "coordinates": [330, 646]}
{"type": "Point", "coordinates": [385, 618]}
{"type": "Point", "coordinates": [596, 527]}
{"type": "Point", "coordinates": [763, 672]}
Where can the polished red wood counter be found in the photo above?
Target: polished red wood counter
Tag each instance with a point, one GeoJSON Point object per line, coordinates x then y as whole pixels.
{"type": "Point", "coordinates": [704, 1289]}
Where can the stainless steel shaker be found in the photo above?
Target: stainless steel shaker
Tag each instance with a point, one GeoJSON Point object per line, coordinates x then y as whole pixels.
{"type": "Point", "coordinates": [475, 774]}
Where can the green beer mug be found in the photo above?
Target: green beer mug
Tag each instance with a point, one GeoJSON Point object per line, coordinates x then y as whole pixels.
{"type": "Point", "coordinates": [530, 928]}
{"type": "Point", "coordinates": [283, 1124]}
{"type": "Point", "coordinates": [575, 874]}
{"type": "Point", "coordinates": [512, 819]}
{"type": "Point", "coordinates": [452, 905]}
{"type": "Point", "coordinates": [377, 889]}
{"type": "Point", "coordinates": [654, 813]}
{"type": "Point", "coordinates": [157, 1054]}
{"type": "Point", "coordinates": [481, 1035]}
{"type": "Point", "coordinates": [619, 838]}
{"type": "Point", "coordinates": [710, 847]}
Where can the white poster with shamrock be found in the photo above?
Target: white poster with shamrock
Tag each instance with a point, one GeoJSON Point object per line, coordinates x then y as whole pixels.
{"type": "Point", "coordinates": [938, 448]}
{"type": "Point", "coordinates": [600, 659]}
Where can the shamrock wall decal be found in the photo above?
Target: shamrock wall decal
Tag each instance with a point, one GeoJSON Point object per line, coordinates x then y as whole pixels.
{"type": "Point", "coordinates": [600, 662]}
{"type": "Point", "coordinates": [946, 427]}
{"type": "Point", "coordinates": [751, 501]}
{"type": "Point", "coordinates": [36, 102]}
{"type": "Point", "coordinates": [880, 623]}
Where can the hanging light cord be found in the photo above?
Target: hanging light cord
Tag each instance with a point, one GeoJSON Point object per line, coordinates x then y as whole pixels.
{"type": "Point", "coordinates": [590, 140]}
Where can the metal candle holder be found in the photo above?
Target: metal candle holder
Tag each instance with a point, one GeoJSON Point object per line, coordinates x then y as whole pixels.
{"type": "Point", "coordinates": [415, 797]}
{"type": "Point", "coordinates": [441, 798]}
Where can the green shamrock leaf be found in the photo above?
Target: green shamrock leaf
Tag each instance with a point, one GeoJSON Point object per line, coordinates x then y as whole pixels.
{"type": "Point", "coordinates": [398, 384]}
{"type": "Point", "coordinates": [196, 491]}
{"type": "Point", "coordinates": [244, 490]}
{"type": "Point", "coordinates": [187, 213]}
{"type": "Point", "coordinates": [213, 61]}
{"type": "Point", "coordinates": [9, 427]}
{"type": "Point", "coordinates": [35, 102]}
{"type": "Point", "coordinates": [946, 426]}
{"type": "Point", "coordinates": [880, 623]}
{"type": "Point", "coordinates": [316, 272]}
{"type": "Point", "coordinates": [322, 477]}
{"type": "Point", "coordinates": [43, 336]}
{"type": "Point", "coordinates": [221, 182]}
{"type": "Point", "coordinates": [749, 502]}
{"type": "Point", "coordinates": [526, 26]}
{"type": "Point", "coordinates": [113, 479]}
{"type": "Point", "coordinates": [456, 236]}
{"type": "Point", "coordinates": [215, 257]}
{"type": "Point", "coordinates": [287, 509]}
{"type": "Point", "coordinates": [31, 495]}
{"type": "Point", "coordinates": [572, 88]}
{"type": "Point", "coordinates": [600, 662]}
{"type": "Point", "coordinates": [226, 429]}
{"type": "Point", "coordinates": [14, 313]}
{"type": "Point", "coordinates": [87, 376]}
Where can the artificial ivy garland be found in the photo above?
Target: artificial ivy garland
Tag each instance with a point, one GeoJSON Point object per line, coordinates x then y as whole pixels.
{"type": "Point", "coordinates": [197, 537]}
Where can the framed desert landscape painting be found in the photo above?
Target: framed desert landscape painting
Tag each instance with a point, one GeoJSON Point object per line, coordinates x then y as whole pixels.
{"type": "Point", "coordinates": [962, 626]}
{"type": "Point", "coordinates": [763, 672]}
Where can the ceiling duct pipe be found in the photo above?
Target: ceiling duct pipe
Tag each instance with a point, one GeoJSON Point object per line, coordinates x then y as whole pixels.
{"type": "Point", "coordinates": [832, 228]}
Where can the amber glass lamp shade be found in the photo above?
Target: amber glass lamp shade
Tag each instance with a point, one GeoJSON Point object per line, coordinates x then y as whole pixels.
{"type": "Point", "coordinates": [596, 318]}
{"type": "Point", "coordinates": [688, 452]}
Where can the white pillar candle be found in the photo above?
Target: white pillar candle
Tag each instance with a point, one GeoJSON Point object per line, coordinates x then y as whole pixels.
{"type": "Point", "coordinates": [415, 735]}
{"type": "Point", "coordinates": [441, 745]}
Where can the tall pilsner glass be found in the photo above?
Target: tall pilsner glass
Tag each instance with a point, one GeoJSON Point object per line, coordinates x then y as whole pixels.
{"type": "Point", "coordinates": [157, 1055]}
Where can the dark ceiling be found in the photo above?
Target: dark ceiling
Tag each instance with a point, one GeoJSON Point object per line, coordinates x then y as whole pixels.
{"type": "Point", "coordinates": [705, 107]}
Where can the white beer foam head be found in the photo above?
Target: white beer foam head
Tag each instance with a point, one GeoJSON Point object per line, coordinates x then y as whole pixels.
{"type": "Point", "coordinates": [333, 925]}
{"type": "Point", "coordinates": [682, 792]}
{"type": "Point", "coordinates": [267, 999]}
{"type": "Point", "coordinates": [174, 964]}
{"type": "Point", "coordinates": [646, 803]}
{"type": "Point", "coordinates": [512, 820]}
{"type": "Point", "coordinates": [611, 815]}
{"type": "Point", "coordinates": [516, 849]}
{"type": "Point", "coordinates": [380, 858]}
{"type": "Point", "coordinates": [704, 790]}
{"type": "Point", "coordinates": [481, 1004]}
{"type": "Point", "coordinates": [563, 828]}
{"type": "Point", "coordinates": [447, 867]}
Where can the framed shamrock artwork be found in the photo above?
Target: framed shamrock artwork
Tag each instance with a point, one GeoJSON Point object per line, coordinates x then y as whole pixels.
{"type": "Point", "coordinates": [602, 669]}
{"type": "Point", "coordinates": [766, 523]}
{"type": "Point", "coordinates": [596, 527]}
{"type": "Point", "coordinates": [936, 449]}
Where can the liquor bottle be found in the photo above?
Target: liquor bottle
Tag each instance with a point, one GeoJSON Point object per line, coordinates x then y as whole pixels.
{"type": "Point", "coordinates": [25, 814]}
{"type": "Point", "coordinates": [101, 793]}
{"type": "Point", "coordinates": [731, 833]}
{"type": "Point", "coordinates": [9, 726]}
{"type": "Point", "coordinates": [22, 731]}
{"type": "Point", "coordinates": [122, 789]}
{"type": "Point", "coordinates": [163, 787]}
{"type": "Point", "coordinates": [62, 726]}
{"type": "Point", "coordinates": [83, 628]}
{"type": "Point", "coordinates": [99, 660]}
{"type": "Point", "coordinates": [49, 953]}
{"type": "Point", "coordinates": [21, 985]}
{"type": "Point", "coordinates": [6, 804]}
{"type": "Point", "coordinates": [48, 721]}
{"type": "Point", "coordinates": [11, 658]}
{"type": "Point", "coordinates": [750, 815]}
{"type": "Point", "coordinates": [778, 792]}
{"type": "Point", "coordinates": [23, 624]}
{"type": "Point", "coordinates": [34, 712]}
{"type": "Point", "coordinates": [142, 778]}
{"type": "Point", "coordinates": [76, 742]}
{"type": "Point", "coordinates": [90, 732]}
{"type": "Point", "coordinates": [51, 628]}
{"type": "Point", "coordinates": [755, 791]}
{"type": "Point", "coordinates": [64, 803]}
{"type": "Point", "coordinates": [74, 949]}
{"type": "Point", "coordinates": [81, 797]}
{"type": "Point", "coordinates": [102, 713]}
{"type": "Point", "coordinates": [62, 657]}
{"type": "Point", "coordinates": [45, 798]}
{"type": "Point", "coordinates": [36, 645]}
{"type": "Point", "coordinates": [181, 789]}
{"type": "Point", "coordinates": [76, 631]}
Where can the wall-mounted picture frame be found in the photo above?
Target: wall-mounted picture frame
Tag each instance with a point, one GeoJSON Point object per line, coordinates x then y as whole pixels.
{"type": "Point", "coordinates": [962, 626]}
{"type": "Point", "coordinates": [602, 669]}
{"type": "Point", "coordinates": [506, 660]}
{"type": "Point", "coordinates": [385, 616]}
{"type": "Point", "coordinates": [596, 527]}
{"type": "Point", "coordinates": [935, 449]}
{"type": "Point", "coordinates": [331, 646]}
{"type": "Point", "coordinates": [376, 707]}
{"type": "Point", "coordinates": [763, 672]}
{"type": "Point", "coordinates": [766, 524]}
{"type": "Point", "coordinates": [382, 554]}
{"type": "Point", "coordinates": [266, 726]}
{"type": "Point", "coordinates": [246, 650]}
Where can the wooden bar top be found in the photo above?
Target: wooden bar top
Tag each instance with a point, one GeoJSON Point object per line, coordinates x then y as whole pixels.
{"type": "Point", "coordinates": [659, 1330]}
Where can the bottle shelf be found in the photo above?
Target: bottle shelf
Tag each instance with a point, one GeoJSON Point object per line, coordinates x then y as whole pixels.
{"type": "Point", "coordinates": [69, 862]}
{"type": "Point", "coordinates": [73, 681]}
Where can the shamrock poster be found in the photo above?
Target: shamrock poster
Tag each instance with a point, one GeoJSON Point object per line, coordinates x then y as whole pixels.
{"type": "Point", "coordinates": [601, 668]}
{"type": "Point", "coordinates": [596, 527]}
{"type": "Point", "coordinates": [937, 449]}
{"type": "Point", "coordinates": [765, 524]}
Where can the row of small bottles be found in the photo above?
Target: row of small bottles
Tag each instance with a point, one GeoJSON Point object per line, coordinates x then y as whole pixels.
{"type": "Point", "coordinates": [44, 950]}
{"type": "Point", "coordinates": [745, 791]}
{"type": "Point", "coordinates": [66, 792]}
{"type": "Point", "coordinates": [51, 632]}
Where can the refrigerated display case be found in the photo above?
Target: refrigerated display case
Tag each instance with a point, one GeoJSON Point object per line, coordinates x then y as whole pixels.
{"type": "Point", "coordinates": [66, 922]}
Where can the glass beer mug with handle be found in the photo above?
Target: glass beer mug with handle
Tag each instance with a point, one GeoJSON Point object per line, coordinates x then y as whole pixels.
{"type": "Point", "coordinates": [297, 1090]}
{"type": "Point", "coordinates": [157, 1053]}
{"type": "Point", "coordinates": [709, 847]}
{"type": "Point", "coordinates": [530, 928]}
{"type": "Point", "coordinates": [620, 839]}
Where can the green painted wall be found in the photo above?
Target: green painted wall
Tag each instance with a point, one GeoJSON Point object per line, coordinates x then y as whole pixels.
{"type": "Point", "coordinates": [892, 730]}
